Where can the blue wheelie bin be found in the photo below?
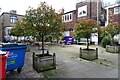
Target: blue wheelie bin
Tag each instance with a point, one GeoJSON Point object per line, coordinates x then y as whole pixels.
{"type": "Point", "coordinates": [16, 57]}
{"type": "Point", "coordinates": [69, 40]}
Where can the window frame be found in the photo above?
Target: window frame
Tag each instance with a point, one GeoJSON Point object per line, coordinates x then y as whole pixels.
{"type": "Point", "coordinates": [65, 18]}
{"type": "Point", "coordinates": [13, 19]}
{"type": "Point", "coordinates": [70, 16]}
{"type": "Point", "coordinates": [117, 10]}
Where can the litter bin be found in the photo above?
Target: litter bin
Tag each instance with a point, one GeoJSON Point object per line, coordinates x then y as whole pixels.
{"type": "Point", "coordinates": [69, 40]}
{"type": "Point", "coordinates": [16, 57]}
{"type": "Point", "coordinates": [3, 58]}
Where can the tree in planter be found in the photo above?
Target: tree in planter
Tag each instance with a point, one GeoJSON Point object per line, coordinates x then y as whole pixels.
{"type": "Point", "coordinates": [42, 22]}
{"type": "Point", "coordinates": [85, 28]}
{"type": "Point", "coordinates": [112, 30]}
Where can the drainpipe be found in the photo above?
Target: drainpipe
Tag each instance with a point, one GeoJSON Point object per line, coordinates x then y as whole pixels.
{"type": "Point", "coordinates": [97, 11]}
{"type": "Point", "coordinates": [3, 38]}
{"type": "Point", "coordinates": [97, 22]}
{"type": "Point", "coordinates": [90, 9]}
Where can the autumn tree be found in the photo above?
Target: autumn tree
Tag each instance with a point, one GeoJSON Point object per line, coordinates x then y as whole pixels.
{"type": "Point", "coordinates": [86, 27]}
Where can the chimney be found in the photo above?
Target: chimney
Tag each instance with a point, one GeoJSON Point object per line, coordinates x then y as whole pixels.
{"type": "Point", "coordinates": [62, 10]}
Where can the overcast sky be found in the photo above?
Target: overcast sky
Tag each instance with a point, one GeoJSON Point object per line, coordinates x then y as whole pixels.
{"type": "Point", "coordinates": [22, 5]}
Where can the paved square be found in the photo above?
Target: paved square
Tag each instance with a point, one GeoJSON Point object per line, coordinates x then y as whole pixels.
{"type": "Point", "coordinates": [69, 65]}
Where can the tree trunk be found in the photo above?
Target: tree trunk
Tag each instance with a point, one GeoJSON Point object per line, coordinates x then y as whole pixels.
{"type": "Point", "coordinates": [51, 40]}
{"type": "Point", "coordinates": [57, 40]}
{"type": "Point", "coordinates": [87, 43]}
{"type": "Point", "coordinates": [43, 44]}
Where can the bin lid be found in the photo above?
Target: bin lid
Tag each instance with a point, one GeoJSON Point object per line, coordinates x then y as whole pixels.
{"type": "Point", "coordinates": [2, 52]}
{"type": "Point", "coordinates": [9, 44]}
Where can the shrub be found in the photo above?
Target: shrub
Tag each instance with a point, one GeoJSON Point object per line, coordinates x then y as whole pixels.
{"type": "Point", "coordinates": [105, 41]}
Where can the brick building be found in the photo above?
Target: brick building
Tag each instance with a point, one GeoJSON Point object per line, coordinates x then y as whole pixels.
{"type": "Point", "coordinates": [88, 10]}
{"type": "Point", "coordinates": [113, 13]}
{"type": "Point", "coordinates": [7, 21]}
{"type": "Point", "coordinates": [70, 20]}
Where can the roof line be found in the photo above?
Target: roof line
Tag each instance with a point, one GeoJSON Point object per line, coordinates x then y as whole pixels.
{"type": "Point", "coordinates": [10, 13]}
{"type": "Point", "coordinates": [69, 11]}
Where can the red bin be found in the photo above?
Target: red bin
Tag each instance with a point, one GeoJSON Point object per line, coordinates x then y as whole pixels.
{"type": "Point", "coordinates": [3, 60]}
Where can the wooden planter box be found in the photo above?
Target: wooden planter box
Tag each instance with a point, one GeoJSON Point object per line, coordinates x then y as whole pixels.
{"type": "Point", "coordinates": [112, 49]}
{"type": "Point", "coordinates": [90, 54]}
{"type": "Point", "coordinates": [42, 63]}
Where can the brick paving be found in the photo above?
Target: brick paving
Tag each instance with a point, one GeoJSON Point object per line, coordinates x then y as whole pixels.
{"type": "Point", "coordinates": [69, 65]}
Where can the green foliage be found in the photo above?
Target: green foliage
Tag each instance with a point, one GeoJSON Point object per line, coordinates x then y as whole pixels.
{"type": "Point", "coordinates": [76, 36]}
{"type": "Point", "coordinates": [105, 41]}
{"type": "Point", "coordinates": [48, 38]}
{"type": "Point", "coordinates": [17, 31]}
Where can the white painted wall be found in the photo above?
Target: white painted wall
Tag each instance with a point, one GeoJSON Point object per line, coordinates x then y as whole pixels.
{"type": "Point", "coordinates": [117, 38]}
{"type": "Point", "coordinates": [94, 38]}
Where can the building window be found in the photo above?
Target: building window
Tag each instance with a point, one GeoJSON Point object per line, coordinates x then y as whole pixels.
{"type": "Point", "coordinates": [84, 12]}
{"type": "Point", "coordinates": [80, 13]}
{"type": "Point", "coordinates": [70, 16]}
{"type": "Point", "coordinates": [67, 17]}
{"type": "Point", "coordinates": [116, 10]}
{"type": "Point", "coordinates": [13, 19]}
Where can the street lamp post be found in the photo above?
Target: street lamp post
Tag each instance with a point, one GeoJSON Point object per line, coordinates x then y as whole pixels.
{"type": "Point", "coordinates": [97, 10]}
{"type": "Point", "coordinates": [97, 21]}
